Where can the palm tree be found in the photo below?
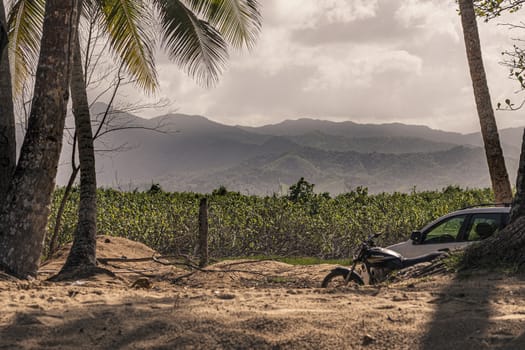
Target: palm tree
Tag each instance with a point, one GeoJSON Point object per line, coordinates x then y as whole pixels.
{"type": "Point", "coordinates": [23, 216]}
{"type": "Point", "coordinates": [489, 130]}
{"type": "Point", "coordinates": [3, 31]}
{"type": "Point", "coordinates": [518, 204]}
{"type": "Point", "coordinates": [508, 246]}
{"type": "Point", "coordinates": [7, 117]}
{"type": "Point", "coordinates": [193, 43]}
{"type": "Point", "coordinates": [84, 245]}
{"type": "Point", "coordinates": [122, 20]}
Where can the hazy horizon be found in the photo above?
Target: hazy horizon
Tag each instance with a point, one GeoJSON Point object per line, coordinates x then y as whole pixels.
{"type": "Point", "coordinates": [319, 118]}
{"type": "Point", "coordinates": [200, 155]}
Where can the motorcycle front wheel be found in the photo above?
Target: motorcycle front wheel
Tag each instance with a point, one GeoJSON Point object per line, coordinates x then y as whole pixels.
{"type": "Point", "coordinates": [337, 278]}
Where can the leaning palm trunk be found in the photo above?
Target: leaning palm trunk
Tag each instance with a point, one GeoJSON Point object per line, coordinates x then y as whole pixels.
{"type": "Point", "coordinates": [82, 252]}
{"type": "Point", "coordinates": [518, 204]}
{"type": "Point", "coordinates": [24, 215]}
{"type": "Point", "coordinates": [53, 241]}
{"type": "Point", "coordinates": [489, 130]}
{"type": "Point", "coordinates": [7, 117]}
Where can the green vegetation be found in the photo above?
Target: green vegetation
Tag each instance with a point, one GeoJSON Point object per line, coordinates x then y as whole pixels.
{"type": "Point", "coordinates": [242, 225]}
{"type": "Point", "coordinates": [296, 260]}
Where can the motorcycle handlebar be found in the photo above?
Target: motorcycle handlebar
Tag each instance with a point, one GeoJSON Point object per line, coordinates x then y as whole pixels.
{"type": "Point", "coordinates": [368, 242]}
{"type": "Point", "coordinates": [373, 235]}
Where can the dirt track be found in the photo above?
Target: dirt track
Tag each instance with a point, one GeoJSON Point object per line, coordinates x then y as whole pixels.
{"type": "Point", "coordinates": [263, 305]}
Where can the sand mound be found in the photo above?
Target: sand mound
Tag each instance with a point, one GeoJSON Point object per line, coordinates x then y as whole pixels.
{"type": "Point", "coordinates": [134, 260]}
{"type": "Point", "coordinates": [108, 247]}
{"type": "Point", "coordinates": [251, 273]}
{"type": "Point", "coordinates": [130, 260]}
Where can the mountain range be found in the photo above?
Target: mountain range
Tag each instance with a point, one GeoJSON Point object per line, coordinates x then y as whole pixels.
{"type": "Point", "coordinates": [192, 153]}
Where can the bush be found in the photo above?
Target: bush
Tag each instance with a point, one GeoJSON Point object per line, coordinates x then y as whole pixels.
{"type": "Point", "coordinates": [241, 225]}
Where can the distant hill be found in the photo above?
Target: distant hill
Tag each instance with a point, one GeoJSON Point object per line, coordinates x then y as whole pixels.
{"type": "Point", "coordinates": [510, 141]}
{"type": "Point", "coordinates": [192, 153]}
{"type": "Point", "coordinates": [385, 144]}
{"type": "Point", "coordinates": [402, 136]}
{"type": "Point", "coordinates": [354, 130]}
{"type": "Point", "coordinates": [337, 172]}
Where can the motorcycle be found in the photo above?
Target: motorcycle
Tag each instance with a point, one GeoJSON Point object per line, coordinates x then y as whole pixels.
{"type": "Point", "coordinates": [375, 263]}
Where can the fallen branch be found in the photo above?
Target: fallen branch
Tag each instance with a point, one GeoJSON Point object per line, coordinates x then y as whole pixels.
{"type": "Point", "coordinates": [124, 259]}
{"type": "Point", "coordinates": [158, 259]}
{"type": "Point", "coordinates": [177, 279]}
{"type": "Point", "coordinates": [433, 268]}
{"type": "Point", "coordinates": [248, 262]}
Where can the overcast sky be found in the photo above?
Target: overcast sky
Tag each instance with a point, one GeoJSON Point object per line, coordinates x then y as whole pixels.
{"type": "Point", "coordinates": [362, 60]}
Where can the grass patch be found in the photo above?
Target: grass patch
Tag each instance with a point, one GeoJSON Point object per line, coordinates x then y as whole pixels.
{"type": "Point", "coordinates": [312, 261]}
{"type": "Point", "coordinates": [296, 260]}
{"type": "Point", "coordinates": [454, 262]}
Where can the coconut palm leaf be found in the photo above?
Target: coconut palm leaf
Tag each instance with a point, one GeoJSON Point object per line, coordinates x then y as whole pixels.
{"type": "Point", "coordinates": [194, 32]}
{"type": "Point", "coordinates": [238, 21]}
{"type": "Point", "coordinates": [129, 25]}
{"type": "Point", "coordinates": [191, 42]}
{"type": "Point", "coordinates": [24, 23]}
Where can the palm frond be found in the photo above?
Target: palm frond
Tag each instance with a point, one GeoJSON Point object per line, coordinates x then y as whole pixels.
{"type": "Point", "coordinates": [88, 7]}
{"type": "Point", "coordinates": [238, 21]}
{"type": "Point", "coordinates": [192, 43]}
{"type": "Point", "coordinates": [25, 21]}
{"type": "Point", "coordinates": [129, 26]}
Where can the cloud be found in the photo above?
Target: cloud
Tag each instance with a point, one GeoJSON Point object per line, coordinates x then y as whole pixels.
{"type": "Point", "coordinates": [297, 14]}
{"type": "Point", "coordinates": [362, 69]}
{"type": "Point", "coordinates": [367, 61]}
{"type": "Point", "coordinates": [381, 28]}
{"type": "Point", "coordinates": [429, 17]}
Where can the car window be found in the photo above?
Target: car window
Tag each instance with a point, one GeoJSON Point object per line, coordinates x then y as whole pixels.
{"type": "Point", "coordinates": [446, 231]}
{"type": "Point", "coordinates": [483, 225]}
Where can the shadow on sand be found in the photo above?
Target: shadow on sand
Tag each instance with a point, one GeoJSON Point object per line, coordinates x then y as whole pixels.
{"type": "Point", "coordinates": [477, 313]}
{"type": "Point", "coordinates": [144, 323]}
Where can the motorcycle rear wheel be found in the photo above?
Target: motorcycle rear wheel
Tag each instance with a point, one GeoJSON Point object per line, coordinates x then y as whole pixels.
{"type": "Point", "coordinates": [337, 278]}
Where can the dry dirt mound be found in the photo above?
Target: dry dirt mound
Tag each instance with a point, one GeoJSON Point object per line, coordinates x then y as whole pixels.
{"type": "Point", "coordinates": [130, 261]}
{"type": "Point", "coordinates": [253, 273]}
{"type": "Point", "coordinates": [127, 259]}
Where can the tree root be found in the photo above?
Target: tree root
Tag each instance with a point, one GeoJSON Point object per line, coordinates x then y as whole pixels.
{"type": "Point", "coordinates": [433, 268]}
{"type": "Point", "coordinates": [7, 277]}
{"type": "Point", "coordinates": [190, 265]}
{"type": "Point", "coordinates": [82, 272]}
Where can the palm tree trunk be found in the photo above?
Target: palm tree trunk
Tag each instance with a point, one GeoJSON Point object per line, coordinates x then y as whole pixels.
{"type": "Point", "coordinates": [83, 250]}
{"type": "Point", "coordinates": [24, 215]}
{"type": "Point", "coordinates": [518, 204]}
{"type": "Point", "coordinates": [7, 116]}
{"type": "Point", "coordinates": [53, 242]}
{"type": "Point", "coordinates": [3, 29]}
{"type": "Point", "coordinates": [489, 130]}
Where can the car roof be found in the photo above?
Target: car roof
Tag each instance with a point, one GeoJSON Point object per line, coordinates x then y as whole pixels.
{"type": "Point", "coordinates": [476, 210]}
{"type": "Point", "coordinates": [482, 210]}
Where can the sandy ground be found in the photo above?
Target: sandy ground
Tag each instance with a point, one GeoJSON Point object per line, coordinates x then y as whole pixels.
{"type": "Point", "coordinates": [255, 305]}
